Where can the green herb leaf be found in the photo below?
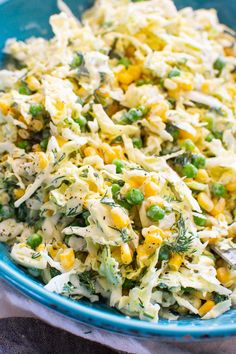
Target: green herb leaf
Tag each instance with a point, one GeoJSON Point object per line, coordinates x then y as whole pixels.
{"type": "Point", "coordinates": [183, 242]}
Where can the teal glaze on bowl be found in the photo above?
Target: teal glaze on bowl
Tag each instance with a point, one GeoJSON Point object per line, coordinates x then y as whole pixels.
{"type": "Point", "coordinates": [22, 19]}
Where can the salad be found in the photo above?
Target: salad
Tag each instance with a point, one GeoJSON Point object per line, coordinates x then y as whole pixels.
{"type": "Point", "coordinates": [118, 158]}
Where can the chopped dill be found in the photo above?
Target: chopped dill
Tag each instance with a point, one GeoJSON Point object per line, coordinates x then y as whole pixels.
{"type": "Point", "coordinates": [183, 242]}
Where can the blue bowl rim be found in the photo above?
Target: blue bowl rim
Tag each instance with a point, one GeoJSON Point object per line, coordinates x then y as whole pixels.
{"type": "Point", "coordinates": [115, 323]}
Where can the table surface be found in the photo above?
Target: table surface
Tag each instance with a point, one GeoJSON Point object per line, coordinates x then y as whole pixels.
{"type": "Point", "coordinates": [32, 336]}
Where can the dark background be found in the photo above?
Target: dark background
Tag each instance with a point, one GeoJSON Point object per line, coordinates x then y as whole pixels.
{"type": "Point", "coordinates": [32, 336]}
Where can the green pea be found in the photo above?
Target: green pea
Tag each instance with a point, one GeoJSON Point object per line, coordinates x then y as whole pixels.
{"type": "Point", "coordinates": [199, 161]}
{"type": "Point", "coordinates": [24, 90]}
{"type": "Point", "coordinates": [77, 60]}
{"type": "Point", "coordinates": [134, 196]}
{"type": "Point", "coordinates": [34, 240]}
{"type": "Point", "coordinates": [164, 253]}
{"type": "Point", "coordinates": [188, 145]}
{"type": "Point", "coordinates": [155, 213]}
{"type": "Point", "coordinates": [38, 225]}
{"type": "Point", "coordinates": [134, 114]}
{"type": "Point", "coordinates": [210, 122]}
{"type": "Point", "coordinates": [115, 189]}
{"type": "Point", "coordinates": [218, 190]}
{"type": "Point", "coordinates": [82, 121]}
{"type": "Point", "coordinates": [142, 82]}
{"type": "Point", "coordinates": [190, 170]}
{"type": "Point", "coordinates": [174, 73]}
{"type": "Point", "coordinates": [209, 137]}
{"type": "Point", "coordinates": [35, 109]}
{"type": "Point", "coordinates": [119, 165]}
{"type": "Point", "coordinates": [200, 220]}
{"type": "Point", "coordinates": [124, 61]}
{"type": "Point", "coordinates": [218, 135]}
{"type": "Point", "coordinates": [172, 130]}
{"type": "Point", "coordinates": [6, 212]}
{"type": "Point", "coordinates": [219, 64]}
{"type": "Point", "coordinates": [137, 142]}
{"type": "Point", "coordinates": [124, 204]}
{"type": "Point", "coordinates": [44, 144]}
{"type": "Point", "coordinates": [23, 144]}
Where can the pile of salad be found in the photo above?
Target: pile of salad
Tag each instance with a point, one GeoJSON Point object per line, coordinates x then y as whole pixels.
{"type": "Point", "coordinates": [118, 158]}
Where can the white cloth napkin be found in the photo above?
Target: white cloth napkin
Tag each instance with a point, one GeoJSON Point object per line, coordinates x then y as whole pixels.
{"type": "Point", "coordinates": [15, 304]}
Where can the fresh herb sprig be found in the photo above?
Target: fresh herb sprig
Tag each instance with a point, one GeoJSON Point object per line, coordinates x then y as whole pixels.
{"type": "Point", "coordinates": [184, 240]}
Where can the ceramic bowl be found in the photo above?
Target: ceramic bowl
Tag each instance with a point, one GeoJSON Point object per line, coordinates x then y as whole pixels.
{"type": "Point", "coordinates": [22, 19]}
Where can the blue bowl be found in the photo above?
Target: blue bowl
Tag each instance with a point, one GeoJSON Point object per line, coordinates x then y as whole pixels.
{"type": "Point", "coordinates": [22, 19]}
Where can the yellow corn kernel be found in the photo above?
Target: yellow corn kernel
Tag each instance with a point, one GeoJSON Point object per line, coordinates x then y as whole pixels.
{"type": "Point", "coordinates": [37, 125]}
{"type": "Point", "coordinates": [112, 152]}
{"type": "Point", "coordinates": [161, 109]}
{"type": "Point", "coordinates": [130, 50]}
{"type": "Point", "coordinates": [40, 248]}
{"type": "Point", "coordinates": [175, 261]}
{"type": "Point", "coordinates": [232, 230]}
{"type": "Point", "coordinates": [232, 90]}
{"type": "Point", "coordinates": [231, 186]}
{"type": "Point", "coordinates": [206, 87]}
{"type": "Point", "coordinates": [183, 134]}
{"type": "Point", "coordinates": [90, 151]}
{"type": "Point", "coordinates": [33, 83]}
{"type": "Point", "coordinates": [151, 189]}
{"type": "Point", "coordinates": [153, 239]}
{"type": "Point", "coordinates": [126, 254]}
{"type": "Point", "coordinates": [209, 304]}
{"type": "Point", "coordinates": [18, 193]}
{"type": "Point", "coordinates": [24, 134]}
{"type": "Point", "coordinates": [205, 201]}
{"type": "Point", "coordinates": [60, 140]}
{"type": "Point", "coordinates": [211, 240]}
{"type": "Point", "coordinates": [67, 258]}
{"type": "Point", "coordinates": [119, 217]}
{"type": "Point", "coordinates": [219, 207]}
{"type": "Point", "coordinates": [43, 161]}
{"type": "Point", "coordinates": [36, 148]}
{"type": "Point", "coordinates": [186, 85]}
{"type": "Point", "coordinates": [135, 71]}
{"type": "Point", "coordinates": [223, 275]}
{"type": "Point", "coordinates": [137, 181]}
{"type": "Point", "coordinates": [144, 251]}
{"type": "Point", "coordinates": [52, 251]}
{"type": "Point", "coordinates": [202, 176]}
{"type": "Point", "coordinates": [153, 230]}
{"type": "Point", "coordinates": [124, 77]}
{"type": "Point", "coordinates": [124, 87]}
{"type": "Point", "coordinates": [4, 108]}
{"type": "Point", "coordinates": [116, 253]}
{"type": "Point", "coordinates": [118, 152]}
{"type": "Point", "coordinates": [112, 109]}
{"type": "Point", "coordinates": [109, 156]}
{"type": "Point", "coordinates": [229, 51]}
